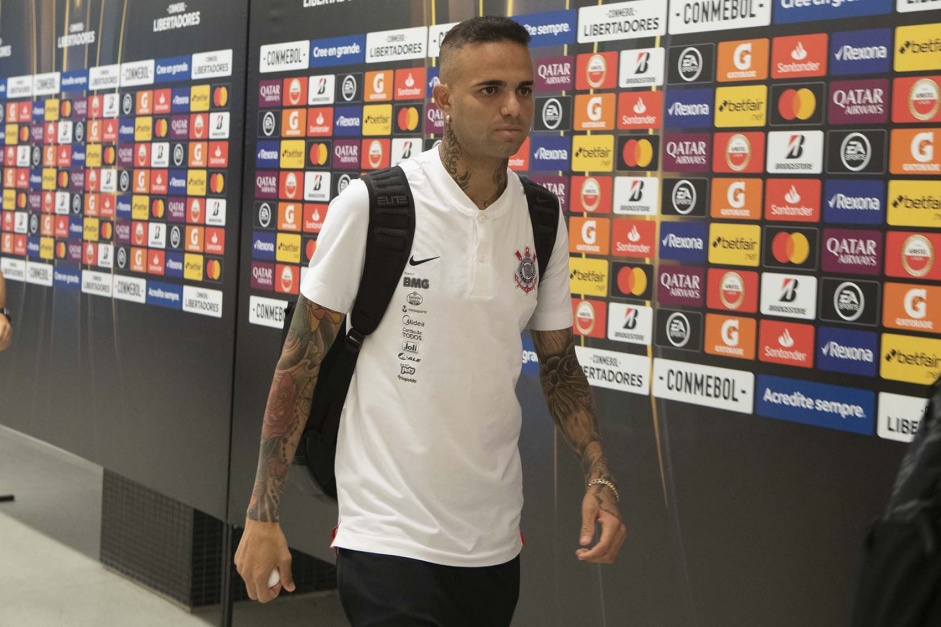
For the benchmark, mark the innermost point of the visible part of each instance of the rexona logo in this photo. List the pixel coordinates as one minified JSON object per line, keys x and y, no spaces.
{"x":912,"y":307}
{"x":695,"y":16}
{"x":859,"y":102}
{"x":688,"y":108}
{"x":591,"y":153}
{"x":917,"y":48}
{"x":738,"y":153}
{"x":800,"y":56}
{"x":681,"y":286}
{"x":816,"y":404}
{"x":589,"y":317}
{"x":916,"y":100}
{"x":852,"y":252}
{"x":791,"y":247}
{"x":861,"y":52}
{"x":732,"y":290}
{"x":731,"y":390}
{"x":589,"y":235}
{"x":638,"y":153}
{"x":914,"y":203}
{"x":730,"y":336}
{"x":789,"y":296}
{"x":910,"y":358}
{"x":914,"y":152}
{"x":741,"y":106}
{"x":691,"y":64}
{"x":912,"y":255}
{"x":640,"y":110}
{"x":554,"y":113}
{"x":687,"y":152}
{"x":850,"y":301}
{"x":553,"y":153}
{"x":900,"y":416}
{"x":588,"y":277}
{"x":744,"y":60}
{"x":856,"y":152}
{"x":801,"y":103}
{"x":685,"y":197}
{"x":786,"y":343}
{"x":631,"y":324}
{"x":643,"y":67}
{"x":683,"y":241}
{"x":795,"y":152}
{"x":736,"y":198}
{"x":632,"y":281}
{"x":636,"y":195}
{"x":793,"y":200}
{"x":633,"y":238}
{"x":854,"y":202}
{"x":596,"y":71}
{"x":681,"y":330}
{"x":734,"y":244}
{"x":591,"y":194}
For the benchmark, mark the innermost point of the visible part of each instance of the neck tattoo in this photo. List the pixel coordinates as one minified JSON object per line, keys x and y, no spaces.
{"x":451,"y":157}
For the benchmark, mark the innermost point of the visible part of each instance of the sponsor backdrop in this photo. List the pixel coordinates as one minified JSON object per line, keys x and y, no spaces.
{"x":749,"y":187}
{"x":121,"y":156}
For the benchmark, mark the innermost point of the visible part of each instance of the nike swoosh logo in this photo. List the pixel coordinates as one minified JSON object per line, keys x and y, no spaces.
{"x":418,"y":262}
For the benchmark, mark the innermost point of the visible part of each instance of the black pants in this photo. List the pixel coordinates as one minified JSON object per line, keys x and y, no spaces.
{"x":388,"y":591}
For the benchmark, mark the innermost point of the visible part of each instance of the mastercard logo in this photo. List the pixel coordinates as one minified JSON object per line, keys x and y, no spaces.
{"x":319,"y":153}
{"x":21,"y":200}
{"x":216,"y":183}
{"x":797,"y":104}
{"x":24,"y":133}
{"x":63,"y":178}
{"x":408,"y":119}
{"x":917,"y":255}
{"x":924,"y":99}
{"x":310,"y":248}
{"x":109,"y":155}
{"x":220,"y":96}
{"x":60,"y":250}
{"x":65,"y":108}
{"x":632,"y":281}
{"x":790,"y":248}
{"x":213,"y":269}
{"x":161,"y":128}
{"x":106,"y":230}
{"x":738,"y":152}
{"x":637,"y":153}
{"x":157,"y":208}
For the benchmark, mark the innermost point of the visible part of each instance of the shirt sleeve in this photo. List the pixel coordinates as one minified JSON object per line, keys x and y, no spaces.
{"x":554,"y":305}
{"x":333,"y":276}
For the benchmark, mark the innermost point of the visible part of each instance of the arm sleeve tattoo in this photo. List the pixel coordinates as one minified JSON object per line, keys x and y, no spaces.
{"x":312,"y":332}
{"x":570,"y":401}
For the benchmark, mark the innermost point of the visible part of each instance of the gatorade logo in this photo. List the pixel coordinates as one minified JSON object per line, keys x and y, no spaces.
{"x":913,"y":152}
{"x":745,"y":60}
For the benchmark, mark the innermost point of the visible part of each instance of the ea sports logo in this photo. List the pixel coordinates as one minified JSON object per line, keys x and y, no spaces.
{"x":924,"y":99}
{"x":122,"y":258}
{"x":591,"y":194}
{"x":690,"y":64}
{"x":552,"y":114}
{"x":684,"y":197}
{"x":264,"y":215}
{"x":268,"y":123}
{"x":343,"y":182}
{"x":856,"y":152}
{"x":348,"y":87}
{"x":596,"y":71}
{"x":178,"y":154}
{"x":742,"y":57}
{"x":79,"y":131}
{"x":917,"y":255}
{"x":849,"y":301}
{"x":127,"y":104}
{"x":678,"y":329}
{"x":732,"y":290}
{"x":738,"y":152}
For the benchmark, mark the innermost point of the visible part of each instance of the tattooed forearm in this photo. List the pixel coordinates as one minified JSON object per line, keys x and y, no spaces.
{"x":312,"y":332}
{"x":570,"y":401}
{"x":451,"y":157}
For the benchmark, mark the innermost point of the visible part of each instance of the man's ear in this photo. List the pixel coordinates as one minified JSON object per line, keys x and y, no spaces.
{"x":442,"y":96}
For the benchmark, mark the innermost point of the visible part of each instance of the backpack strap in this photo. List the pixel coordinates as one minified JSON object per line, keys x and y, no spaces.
{"x":388,"y":244}
{"x":544,"y":214}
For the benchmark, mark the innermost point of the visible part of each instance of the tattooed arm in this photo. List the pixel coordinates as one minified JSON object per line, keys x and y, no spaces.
{"x":263,"y":547}
{"x":573,"y":409}
{"x":6,"y":331}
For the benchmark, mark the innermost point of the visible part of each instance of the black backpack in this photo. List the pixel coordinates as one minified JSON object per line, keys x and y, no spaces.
{"x":388,"y":245}
{"x":900,"y":585}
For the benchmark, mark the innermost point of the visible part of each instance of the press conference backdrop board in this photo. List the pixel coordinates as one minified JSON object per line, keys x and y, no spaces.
{"x":121,"y":156}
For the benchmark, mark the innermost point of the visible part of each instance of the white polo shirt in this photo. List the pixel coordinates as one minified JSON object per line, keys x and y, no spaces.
{"x":428,"y":463}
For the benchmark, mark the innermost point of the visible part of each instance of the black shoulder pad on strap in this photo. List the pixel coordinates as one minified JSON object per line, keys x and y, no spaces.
{"x":544,"y":214}
{"x":388,"y":245}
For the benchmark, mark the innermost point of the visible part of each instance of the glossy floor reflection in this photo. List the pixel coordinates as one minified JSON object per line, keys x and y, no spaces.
{"x":49,"y":546}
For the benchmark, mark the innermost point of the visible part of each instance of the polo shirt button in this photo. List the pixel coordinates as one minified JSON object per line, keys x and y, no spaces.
{"x":481,"y":259}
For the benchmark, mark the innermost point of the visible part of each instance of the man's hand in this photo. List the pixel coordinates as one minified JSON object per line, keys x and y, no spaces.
{"x":262,"y":549}
{"x":6,"y":333}
{"x":599,"y":507}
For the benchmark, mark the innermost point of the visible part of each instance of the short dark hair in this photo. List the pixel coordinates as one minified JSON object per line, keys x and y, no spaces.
{"x":479,"y":30}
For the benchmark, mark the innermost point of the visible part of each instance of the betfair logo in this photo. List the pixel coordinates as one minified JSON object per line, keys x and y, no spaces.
{"x":593,"y":153}
{"x":918,"y":48}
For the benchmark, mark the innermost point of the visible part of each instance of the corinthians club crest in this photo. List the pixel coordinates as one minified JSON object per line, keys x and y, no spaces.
{"x":526,"y":270}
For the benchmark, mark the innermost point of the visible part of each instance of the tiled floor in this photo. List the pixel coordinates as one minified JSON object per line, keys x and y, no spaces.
{"x":50,"y":575}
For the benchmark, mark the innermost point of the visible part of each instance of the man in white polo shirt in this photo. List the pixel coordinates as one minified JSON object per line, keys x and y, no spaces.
{"x":428,"y":468}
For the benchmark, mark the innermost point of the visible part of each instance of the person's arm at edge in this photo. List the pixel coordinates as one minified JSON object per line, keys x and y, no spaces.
{"x":263,"y":546}
{"x":6,"y":330}
{"x":573,"y":409}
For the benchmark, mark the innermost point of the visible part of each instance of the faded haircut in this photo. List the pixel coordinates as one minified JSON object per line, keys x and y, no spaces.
{"x":479,"y":30}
